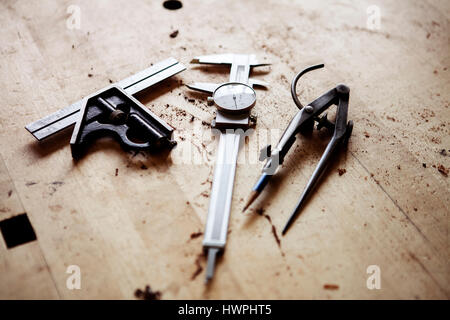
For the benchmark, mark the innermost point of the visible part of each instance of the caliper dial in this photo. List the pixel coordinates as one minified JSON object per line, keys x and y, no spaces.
{"x":234,"y":97}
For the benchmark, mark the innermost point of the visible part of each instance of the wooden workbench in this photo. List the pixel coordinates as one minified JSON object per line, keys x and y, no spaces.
{"x":126,"y":219}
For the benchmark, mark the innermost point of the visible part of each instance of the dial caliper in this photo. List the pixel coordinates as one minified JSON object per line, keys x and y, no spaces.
{"x":233,"y":100}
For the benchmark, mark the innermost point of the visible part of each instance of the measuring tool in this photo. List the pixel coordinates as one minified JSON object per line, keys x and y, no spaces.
{"x":68,"y":116}
{"x":234,"y":100}
{"x":112,"y":112}
{"x":303,"y":121}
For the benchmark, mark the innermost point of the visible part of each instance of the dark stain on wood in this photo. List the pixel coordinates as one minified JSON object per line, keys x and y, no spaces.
{"x":147,"y":294}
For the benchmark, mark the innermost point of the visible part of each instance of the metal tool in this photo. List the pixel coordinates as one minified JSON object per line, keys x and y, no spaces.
{"x":234,"y":100}
{"x":303,"y":121}
{"x":68,"y":116}
{"x":112,"y":112}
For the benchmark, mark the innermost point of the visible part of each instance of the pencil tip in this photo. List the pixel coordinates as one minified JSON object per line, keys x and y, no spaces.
{"x":253,"y":195}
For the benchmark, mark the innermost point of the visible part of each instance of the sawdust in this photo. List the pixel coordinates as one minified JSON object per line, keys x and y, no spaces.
{"x":443,"y":170}
{"x":198,"y":260}
{"x":330,"y":286}
{"x":260,"y":211}
{"x":196,"y":235}
{"x":147,"y":294}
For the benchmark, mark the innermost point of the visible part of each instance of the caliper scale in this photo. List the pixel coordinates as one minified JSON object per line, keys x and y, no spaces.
{"x":233,"y":100}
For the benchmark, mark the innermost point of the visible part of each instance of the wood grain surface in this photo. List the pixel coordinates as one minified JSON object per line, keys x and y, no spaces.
{"x":126,"y":219}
